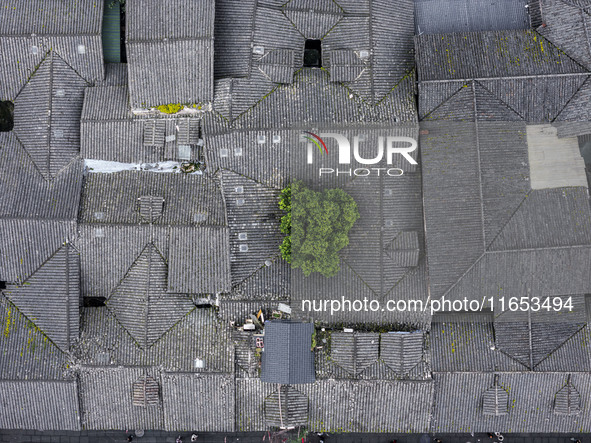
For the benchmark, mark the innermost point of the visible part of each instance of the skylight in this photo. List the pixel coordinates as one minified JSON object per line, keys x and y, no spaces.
{"x":313,"y":54}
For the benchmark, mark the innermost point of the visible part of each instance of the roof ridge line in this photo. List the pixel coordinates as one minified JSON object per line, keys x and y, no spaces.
{"x":539,"y":249}
{"x":498,"y":99}
{"x":70,"y":66}
{"x":570,"y":99}
{"x":560,"y":346}
{"x":527,"y":195}
{"x":391,"y":91}
{"x":447,"y":291}
{"x":27,"y":154}
{"x":53,"y":254}
{"x":465,"y":84}
{"x":360,"y":278}
{"x":511,"y":77}
{"x":34,"y":323}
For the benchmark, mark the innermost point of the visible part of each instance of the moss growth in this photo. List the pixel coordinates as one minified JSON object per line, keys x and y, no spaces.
{"x":171,"y":108}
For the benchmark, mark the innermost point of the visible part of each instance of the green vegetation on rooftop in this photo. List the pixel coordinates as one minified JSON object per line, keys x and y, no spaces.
{"x":317,"y":226}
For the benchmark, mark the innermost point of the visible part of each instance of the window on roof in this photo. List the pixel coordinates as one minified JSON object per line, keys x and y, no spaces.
{"x":94,"y":302}
{"x":6,"y":116}
{"x":313,"y":54}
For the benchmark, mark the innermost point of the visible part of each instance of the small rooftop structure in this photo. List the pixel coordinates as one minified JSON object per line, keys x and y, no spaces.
{"x":287,"y":356}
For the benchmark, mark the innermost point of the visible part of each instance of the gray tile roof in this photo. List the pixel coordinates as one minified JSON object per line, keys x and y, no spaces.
{"x":572,"y":128}
{"x":250,"y":397}
{"x":40,"y":404}
{"x":199,"y":261}
{"x":107,"y":400}
{"x":29,"y":31}
{"x":286,"y":407}
{"x":200,"y":334}
{"x":445,"y":16}
{"x":508,"y":77}
{"x":566,"y":24}
{"x":402,"y":352}
{"x":253,"y":218}
{"x":46,"y":115}
{"x":19,"y":49}
{"x":115,"y":75}
{"x":50,"y":297}
{"x":108,"y":251}
{"x":311,"y":99}
{"x":466,"y":343}
{"x":239,"y":310}
{"x":288,"y":357}
{"x":140,"y":302}
{"x":57,"y":199}
{"x":189,"y":200}
{"x":531,"y":403}
{"x":278,"y":35}
{"x":234,"y":24}
{"x":532,"y":338}
{"x":110,"y":132}
{"x":51,"y":17}
{"x":269,"y":282}
{"x":30,"y":243}
{"x":163,"y":44}
{"x":344,"y":405}
{"x":467,"y":201}
{"x":203,"y":402}
{"x":26,"y":351}
{"x":354,"y":352}
{"x":572,"y":356}
{"x":372,"y":356}
{"x":364,"y":406}
{"x":509,"y":54}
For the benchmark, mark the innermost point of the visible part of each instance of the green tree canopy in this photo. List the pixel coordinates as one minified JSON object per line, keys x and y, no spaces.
{"x":317,"y":225}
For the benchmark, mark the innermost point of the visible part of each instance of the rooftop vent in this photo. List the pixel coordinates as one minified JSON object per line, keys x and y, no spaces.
{"x":243,"y":248}
{"x":6,"y":116}
{"x":276,"y":139}
{"x":258,"y":50}
{"x":313,"y":54}
{"x":239,"y":189}
{"x":99,"y":232}
{"x":154,"y":133}
{"x":34,"y":50}
{"x":238,"y":152}
{"x":81,"y":49}
{"x":146,"y":392}
{"x":243,"y":236}
{"x":568,"y":400}
{"x":495,"y":401}
{"x":223,"y":152}
{"x":199,"y":364}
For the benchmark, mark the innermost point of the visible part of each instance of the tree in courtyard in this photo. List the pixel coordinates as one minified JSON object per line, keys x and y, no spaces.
{"x":317,"y":227}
